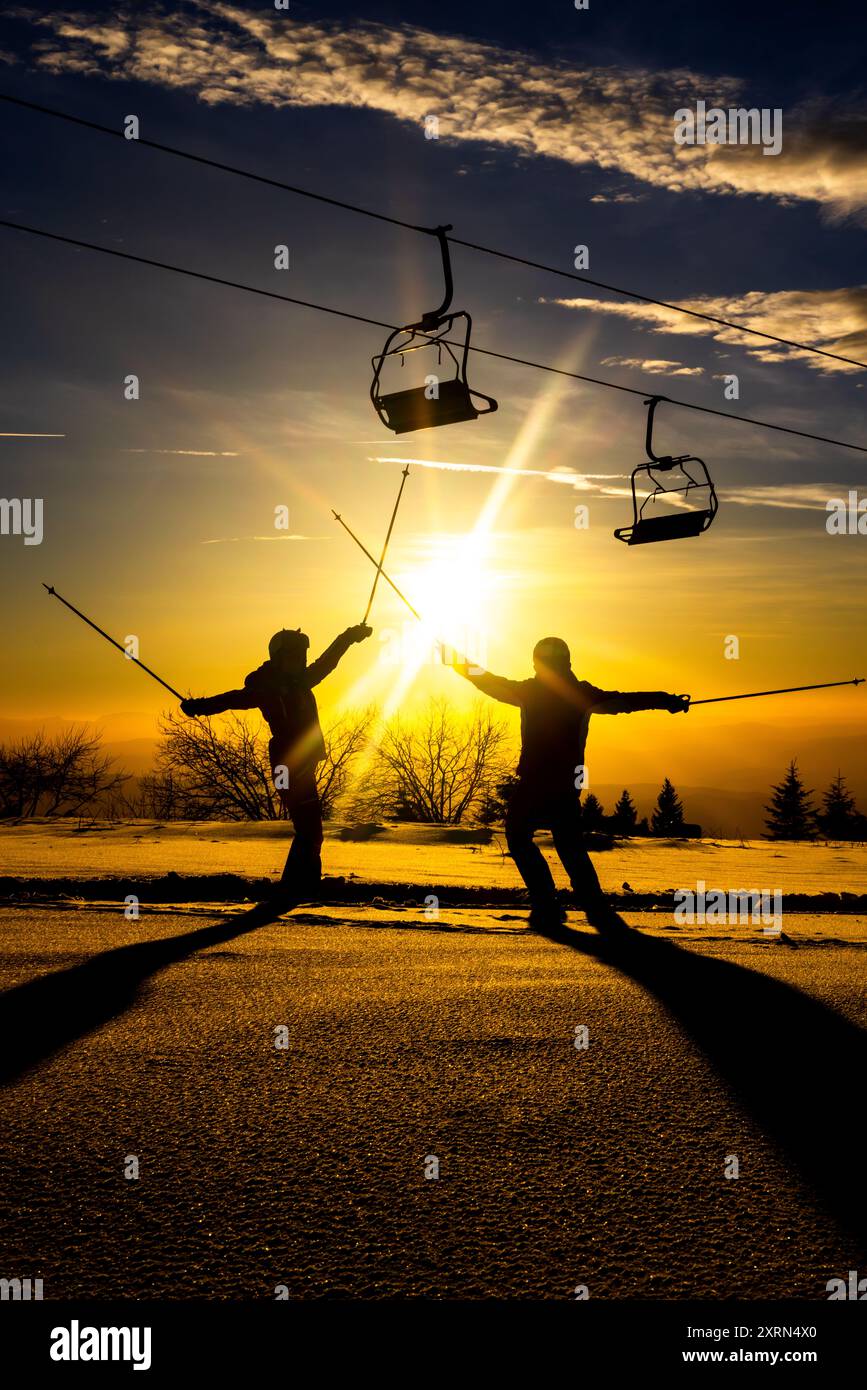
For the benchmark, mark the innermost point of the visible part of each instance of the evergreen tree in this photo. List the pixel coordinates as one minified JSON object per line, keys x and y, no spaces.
{"x":495,"y":802}
{"x":839,"y":818}
{"x":592,"y":813}
{"x":625,"y":816}
{"x":667,"y":818}
{"x":790,"y":813}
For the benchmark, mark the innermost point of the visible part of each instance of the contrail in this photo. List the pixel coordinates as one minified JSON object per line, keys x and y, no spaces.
{"x":796,"y":497}
{"x":583,"y":482}
{"x":193,"y":453}
{"x":230,"y":540}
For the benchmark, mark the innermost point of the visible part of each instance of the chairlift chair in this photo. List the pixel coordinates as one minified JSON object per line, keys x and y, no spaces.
{"x":686,"y":485}
{"x":449,"y":401}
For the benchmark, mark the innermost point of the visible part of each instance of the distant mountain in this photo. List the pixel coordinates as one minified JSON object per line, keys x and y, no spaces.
{"x":120,"y":735}
{"x":722,"y":771}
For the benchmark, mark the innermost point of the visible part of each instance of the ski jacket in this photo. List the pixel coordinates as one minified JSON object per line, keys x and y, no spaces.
{"x":555,"y":718}
{"x":288,"y":706}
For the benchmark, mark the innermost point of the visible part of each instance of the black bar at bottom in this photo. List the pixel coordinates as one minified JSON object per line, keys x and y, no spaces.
{"x":232,"y":1338}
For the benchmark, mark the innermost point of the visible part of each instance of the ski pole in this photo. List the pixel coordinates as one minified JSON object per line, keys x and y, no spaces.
{"x":90,"y":623}
{"x":338,"y":517}
{"x":404,"y":477}
{"x":789,"y":690}
{"x":445,"y":646}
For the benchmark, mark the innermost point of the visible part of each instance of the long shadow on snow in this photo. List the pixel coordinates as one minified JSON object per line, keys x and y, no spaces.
{"x":794,"y":1063}
{"x":43,"y":1015}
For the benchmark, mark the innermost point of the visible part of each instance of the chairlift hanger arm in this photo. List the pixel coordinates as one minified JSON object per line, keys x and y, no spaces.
{"x":665,"y":459}
{"x":433,"y":318}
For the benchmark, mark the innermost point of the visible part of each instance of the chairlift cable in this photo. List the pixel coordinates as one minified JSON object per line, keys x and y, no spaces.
{"x":379,"y":323}
{"x":428,"y":231}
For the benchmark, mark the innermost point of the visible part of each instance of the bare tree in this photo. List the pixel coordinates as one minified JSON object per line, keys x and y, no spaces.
{"x":164,"y":796}
{"x":60,"y":776}
{"x":440,"y":768}
{"x":209,"y":770}
{"x":220,"y":770}
{"x":345,"y":738}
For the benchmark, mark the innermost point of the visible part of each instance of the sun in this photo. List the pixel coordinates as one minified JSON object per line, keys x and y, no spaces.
{"x":452,"y":590}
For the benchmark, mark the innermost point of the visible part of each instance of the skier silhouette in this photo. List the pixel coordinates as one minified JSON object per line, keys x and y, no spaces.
{"x":555,"y":714}
{"x":282,"y":690}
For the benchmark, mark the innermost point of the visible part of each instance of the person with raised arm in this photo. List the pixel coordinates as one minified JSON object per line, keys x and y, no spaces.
{"x":282,"y":690}
{"x":555,"y":715}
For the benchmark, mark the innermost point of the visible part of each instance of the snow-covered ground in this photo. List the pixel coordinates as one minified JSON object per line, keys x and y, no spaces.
{"x":407,"y":1040}
{"x":418,"y":854}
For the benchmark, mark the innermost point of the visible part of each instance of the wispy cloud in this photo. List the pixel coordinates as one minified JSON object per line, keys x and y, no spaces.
{"x":787,"y":497}
{"x":811,"y":497}
{"x":832,"y":319}
{"x":618,"y":197}
{"x":222,"y":53}
{"x":656,"y":366}
{"x":582,"y":482}
{"x":232,"y":540}
{"x":191,"y":453}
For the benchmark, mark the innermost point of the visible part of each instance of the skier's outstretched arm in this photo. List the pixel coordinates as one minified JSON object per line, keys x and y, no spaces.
{"x":218,"y":704}
{"x":498,"y":687}
{"x":325,"y":664}
{"x":631,"y":702}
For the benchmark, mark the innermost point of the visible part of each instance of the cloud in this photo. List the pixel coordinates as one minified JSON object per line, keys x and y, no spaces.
{"x":812,"y":497}
{"x":232,"y":540}
{"x":582,"y":482}
{"x":657,"y":366}
{"x":832,"y":319}
{"x":191,"y":453}
{"x":618,"y":198}
{"x":788,"y":497}
{"x":615,"y":118}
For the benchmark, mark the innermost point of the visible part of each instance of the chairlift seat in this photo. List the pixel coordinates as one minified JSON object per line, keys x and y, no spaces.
{"x":675,"y":526}
{"x":454,"y":400}
{"x":414,"y":409}
{"x":684,"y":487}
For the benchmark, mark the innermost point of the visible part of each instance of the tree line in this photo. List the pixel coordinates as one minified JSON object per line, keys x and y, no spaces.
{"x":791,"y":813}
{"x":439,"y":768}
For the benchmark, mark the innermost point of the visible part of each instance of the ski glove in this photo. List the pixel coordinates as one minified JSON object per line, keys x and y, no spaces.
{"x":677,"y":704}
{"x":191,"y":706}
{"x":359,"y":632}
